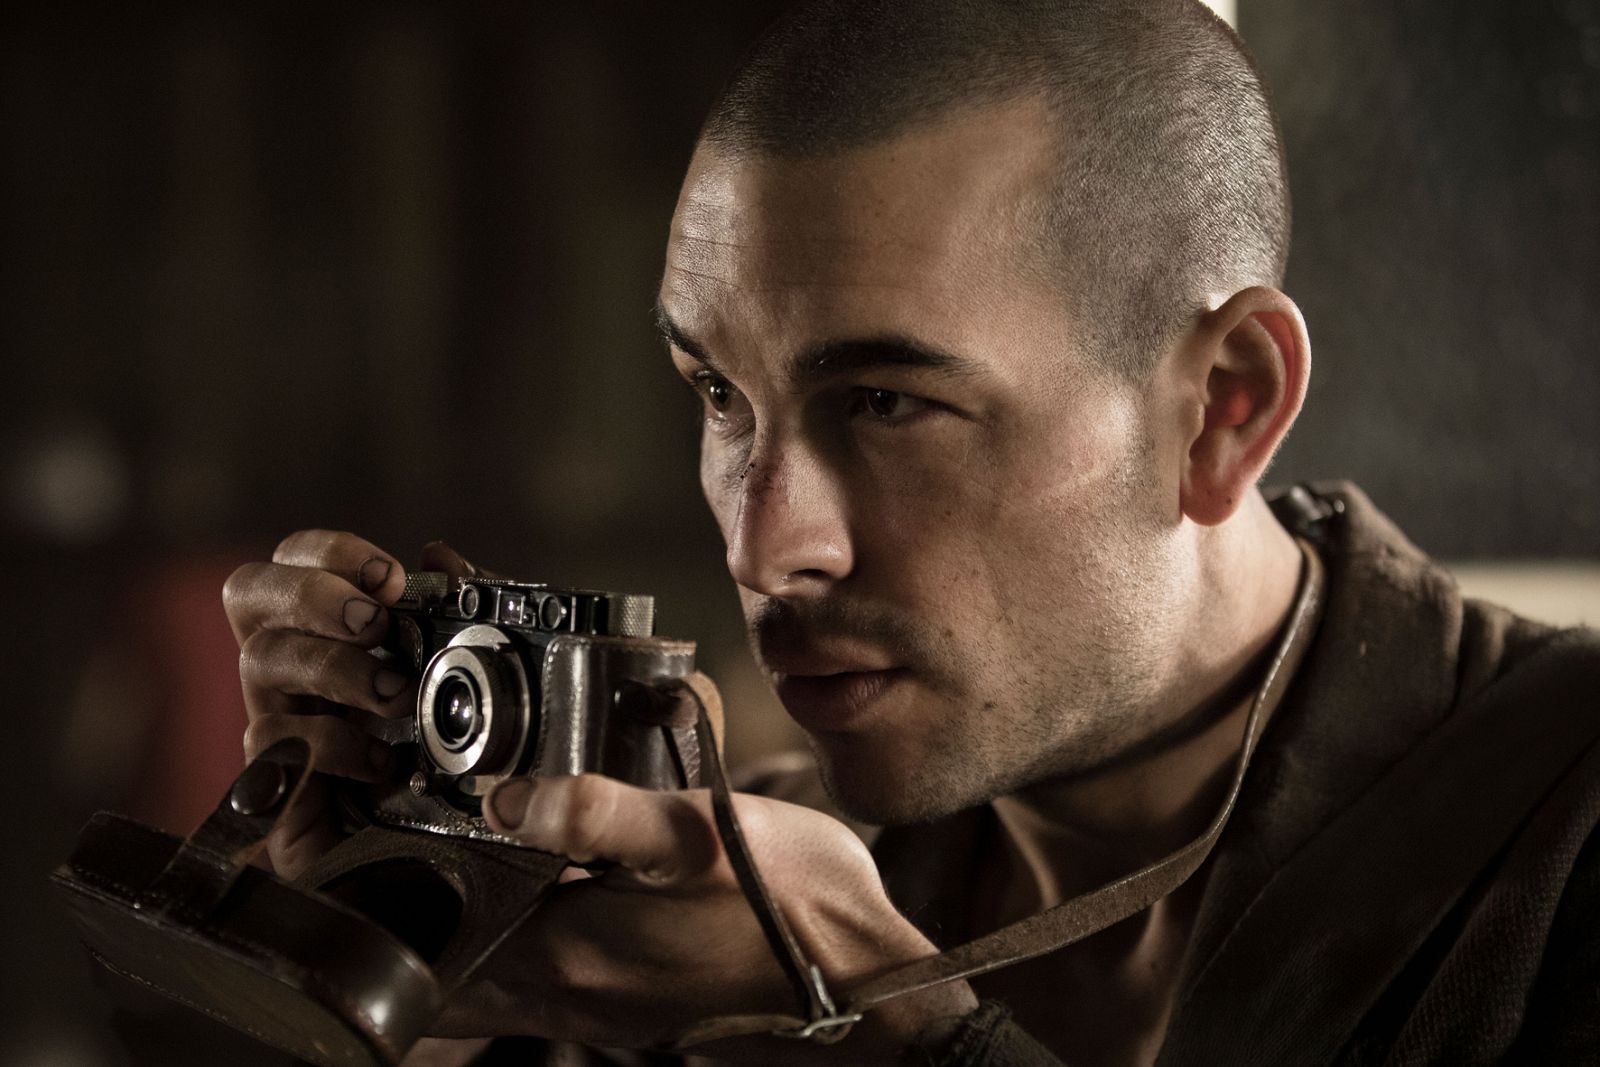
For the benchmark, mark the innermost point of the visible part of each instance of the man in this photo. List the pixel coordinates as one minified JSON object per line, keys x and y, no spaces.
{"x":982,"y":305}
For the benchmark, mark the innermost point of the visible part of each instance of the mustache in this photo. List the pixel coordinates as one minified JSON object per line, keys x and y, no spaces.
{"x":780,"y":627}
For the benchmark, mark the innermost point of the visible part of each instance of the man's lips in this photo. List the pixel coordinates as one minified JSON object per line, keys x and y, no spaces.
{"x":833,"y":701}
{"x":830,"y":663}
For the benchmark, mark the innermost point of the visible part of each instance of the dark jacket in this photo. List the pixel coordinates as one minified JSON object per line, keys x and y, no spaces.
{"x":1412,"y":875}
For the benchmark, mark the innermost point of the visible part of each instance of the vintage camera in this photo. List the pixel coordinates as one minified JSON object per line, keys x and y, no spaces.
{"x":350,"y":962}
{"x":518,"y":678}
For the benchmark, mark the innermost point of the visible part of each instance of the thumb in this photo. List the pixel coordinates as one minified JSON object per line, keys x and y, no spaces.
{"x":660,"y":838}
{"x":438,"y":556}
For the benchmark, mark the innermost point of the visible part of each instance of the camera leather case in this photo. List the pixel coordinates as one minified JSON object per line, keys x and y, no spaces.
{"x":335,"y":969}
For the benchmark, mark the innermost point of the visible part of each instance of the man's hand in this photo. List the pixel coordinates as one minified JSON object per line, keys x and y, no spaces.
{"x":305,"y":623}
{"x":664,"y":939}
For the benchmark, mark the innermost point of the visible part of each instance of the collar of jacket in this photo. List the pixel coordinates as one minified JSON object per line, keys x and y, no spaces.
{"x":1420,"y":733}
{"x":1380,"y":675}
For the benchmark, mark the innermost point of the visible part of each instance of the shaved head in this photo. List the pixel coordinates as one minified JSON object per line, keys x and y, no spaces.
{"x":1165,"y":186}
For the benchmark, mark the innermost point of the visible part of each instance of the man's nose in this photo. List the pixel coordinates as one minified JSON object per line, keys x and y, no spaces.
{"x":789,"y":535}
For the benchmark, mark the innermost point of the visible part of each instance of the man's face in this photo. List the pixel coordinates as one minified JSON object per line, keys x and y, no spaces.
{"x":949,"y":530}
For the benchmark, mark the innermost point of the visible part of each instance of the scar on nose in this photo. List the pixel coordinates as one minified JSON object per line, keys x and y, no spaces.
{"x":758,"y":479}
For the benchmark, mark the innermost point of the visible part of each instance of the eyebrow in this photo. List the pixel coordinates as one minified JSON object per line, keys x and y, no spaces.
{"x":676,"y":338}
{"x":833,"y":358}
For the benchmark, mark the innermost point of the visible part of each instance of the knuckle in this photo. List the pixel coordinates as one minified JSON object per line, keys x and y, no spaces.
{"x":324,"y":661}
{"x":316,"y":548}
{"x":255,"y":655}
{"x":753,"y":818}
{"x":258,"y":736}
{"x":303,"y":590}
{"x":236,"y":589}
{"x":308,"y":603}
{"x":293,"y":546}
{"x":591,"y":803}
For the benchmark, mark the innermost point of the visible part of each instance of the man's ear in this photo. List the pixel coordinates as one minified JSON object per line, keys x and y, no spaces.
{"x":1249,"y":361}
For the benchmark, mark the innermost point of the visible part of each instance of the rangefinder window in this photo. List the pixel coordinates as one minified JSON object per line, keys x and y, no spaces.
{"x":531,"y":606}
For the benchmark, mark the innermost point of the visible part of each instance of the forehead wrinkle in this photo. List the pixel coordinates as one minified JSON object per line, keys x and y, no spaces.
{"x":794,"y":285}
{"x":959,"y":249}
{"x":720,"y":218}
{"x":714,"y":279}
{"x":682,"y":236}
{"x":953,"y":266}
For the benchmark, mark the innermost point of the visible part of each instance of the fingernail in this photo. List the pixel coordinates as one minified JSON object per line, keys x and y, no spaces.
{"x":358,"y":614}
{"x":379,"y":757}
{"x":388,"y":683}
{"x":510,"y":802}
{"x":373,"y":573}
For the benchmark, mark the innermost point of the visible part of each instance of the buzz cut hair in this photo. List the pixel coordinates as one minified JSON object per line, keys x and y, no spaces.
{"x":1168,"y":183}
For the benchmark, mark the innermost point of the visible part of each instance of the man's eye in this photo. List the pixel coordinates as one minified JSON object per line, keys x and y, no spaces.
{"x":718,"y":391}
{"x":888,"y":404}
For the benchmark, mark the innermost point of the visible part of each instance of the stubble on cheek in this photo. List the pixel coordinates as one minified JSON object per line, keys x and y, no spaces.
{"x":997,"y":644}
{"x":1064,"y":667}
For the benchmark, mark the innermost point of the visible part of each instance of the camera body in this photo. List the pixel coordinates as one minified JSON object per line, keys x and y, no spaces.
{"x":517,"y":678}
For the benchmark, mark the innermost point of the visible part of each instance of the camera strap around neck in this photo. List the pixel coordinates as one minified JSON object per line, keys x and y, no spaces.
{"x":825,"y":1019}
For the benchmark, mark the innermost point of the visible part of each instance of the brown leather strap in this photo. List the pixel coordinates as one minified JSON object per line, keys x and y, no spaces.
{"x":208,"y":863}
{"x":1036,"y":935}
{"x":821,"y":1022}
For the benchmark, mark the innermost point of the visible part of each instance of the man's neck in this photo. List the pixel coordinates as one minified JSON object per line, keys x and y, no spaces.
{"x":1064,"y":838}
{"x":1076,"y":834}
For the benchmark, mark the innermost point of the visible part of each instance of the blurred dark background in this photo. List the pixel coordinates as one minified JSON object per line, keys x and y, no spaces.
{"x":388,"y":268}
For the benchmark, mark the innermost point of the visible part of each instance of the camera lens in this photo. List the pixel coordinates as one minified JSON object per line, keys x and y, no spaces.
{"x":456,"y":715}
{"x":476,"y":715}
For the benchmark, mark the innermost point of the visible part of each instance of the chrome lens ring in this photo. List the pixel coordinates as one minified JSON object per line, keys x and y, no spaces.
{"x":486,"y":686}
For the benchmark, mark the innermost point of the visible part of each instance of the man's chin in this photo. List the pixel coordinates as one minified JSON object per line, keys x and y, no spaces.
{"x":879,"y":792}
